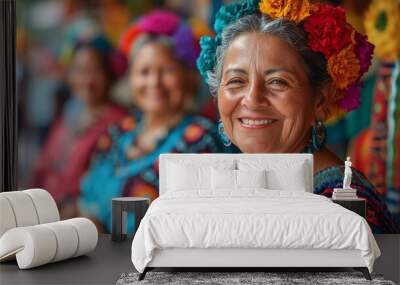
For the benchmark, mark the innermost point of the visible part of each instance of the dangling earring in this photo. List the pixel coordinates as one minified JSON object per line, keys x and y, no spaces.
{"x":225,"y":140}
{"x":318,"y":136}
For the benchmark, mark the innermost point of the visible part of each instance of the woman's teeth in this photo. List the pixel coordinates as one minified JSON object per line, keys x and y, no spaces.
{"x":250,"y":122}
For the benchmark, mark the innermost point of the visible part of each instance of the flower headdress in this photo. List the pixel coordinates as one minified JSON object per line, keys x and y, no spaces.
{"x":347,"y":52}
{"x":163,"y":23}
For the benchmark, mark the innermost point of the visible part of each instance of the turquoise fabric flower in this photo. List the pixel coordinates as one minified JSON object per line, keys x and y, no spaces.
{"x":225,"y":16}
{"x":206,"y":60}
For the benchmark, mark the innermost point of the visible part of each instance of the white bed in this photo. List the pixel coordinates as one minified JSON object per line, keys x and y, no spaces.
{"x":201,"y":226}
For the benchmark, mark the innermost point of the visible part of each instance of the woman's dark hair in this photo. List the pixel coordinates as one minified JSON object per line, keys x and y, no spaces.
{"x":113,"y":62}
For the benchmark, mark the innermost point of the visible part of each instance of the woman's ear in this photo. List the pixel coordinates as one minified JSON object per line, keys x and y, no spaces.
{"x":323,"y":101}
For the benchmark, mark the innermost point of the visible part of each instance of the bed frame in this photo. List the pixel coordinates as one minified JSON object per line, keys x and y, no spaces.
{"x":248,"y":259}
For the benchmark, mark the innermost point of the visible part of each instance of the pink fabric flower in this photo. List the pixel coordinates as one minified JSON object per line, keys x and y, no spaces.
{"x":364,"y":51}
{"x":352,"y":100}
{"x":160,"y":22}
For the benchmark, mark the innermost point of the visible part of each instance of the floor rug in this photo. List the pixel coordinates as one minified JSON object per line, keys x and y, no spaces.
{"x":273,"y":278}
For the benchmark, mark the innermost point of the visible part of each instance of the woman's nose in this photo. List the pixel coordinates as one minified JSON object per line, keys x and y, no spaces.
{"x":256,"y":97}
{"x":155,"y":79}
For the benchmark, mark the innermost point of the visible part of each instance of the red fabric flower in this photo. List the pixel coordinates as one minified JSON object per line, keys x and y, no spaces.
{"x":128,"y":38}
{"x":327,"y":29}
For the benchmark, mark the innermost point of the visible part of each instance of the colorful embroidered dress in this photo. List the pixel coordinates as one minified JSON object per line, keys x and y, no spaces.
{"x":113,"y":174}
{"x":378,"y":216}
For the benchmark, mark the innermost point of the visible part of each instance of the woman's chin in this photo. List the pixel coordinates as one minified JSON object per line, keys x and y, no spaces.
{"x":257,"y":148}
{"x":156,"y":109}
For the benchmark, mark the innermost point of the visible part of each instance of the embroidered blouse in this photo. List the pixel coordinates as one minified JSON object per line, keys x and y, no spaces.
{"x":113,"y":174}
{"x":378,"y":216}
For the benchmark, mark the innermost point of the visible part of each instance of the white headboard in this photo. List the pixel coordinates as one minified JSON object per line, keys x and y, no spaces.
{"x":212,"y":158}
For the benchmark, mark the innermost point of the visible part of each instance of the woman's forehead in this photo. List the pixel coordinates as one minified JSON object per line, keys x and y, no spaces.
{"x":263,"y":52}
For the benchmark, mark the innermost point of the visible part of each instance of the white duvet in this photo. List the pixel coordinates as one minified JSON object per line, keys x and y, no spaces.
{"x":254,"y":218}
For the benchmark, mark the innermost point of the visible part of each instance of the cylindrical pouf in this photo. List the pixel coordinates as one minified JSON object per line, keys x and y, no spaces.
{"x":34,"y":245}
{"x":87,"y":235}
{"x":67,"y":239}
{"x":7,"y":218}
{"x":40,"y":244}
{"x":45,"y":205}
{"x":23,"y":208}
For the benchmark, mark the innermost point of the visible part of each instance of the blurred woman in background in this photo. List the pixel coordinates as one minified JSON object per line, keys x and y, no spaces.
{"x":162,"y":53}
{"x":87,"y":115}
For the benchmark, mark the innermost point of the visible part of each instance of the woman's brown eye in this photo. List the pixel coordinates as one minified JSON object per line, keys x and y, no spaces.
{"x":234,"y":81}
{"x":279,"y":82}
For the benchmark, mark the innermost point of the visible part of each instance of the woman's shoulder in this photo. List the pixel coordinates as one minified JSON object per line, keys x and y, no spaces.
{"x":116,"y":112}
{"x":324,"y":159}
{"x":197,"y":127}
{"x":332,"y":176}
{"x":203,"y":122}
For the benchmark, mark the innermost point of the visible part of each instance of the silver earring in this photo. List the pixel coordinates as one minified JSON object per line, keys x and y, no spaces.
{"x":318,"y":135}
{"x":225,"y":140}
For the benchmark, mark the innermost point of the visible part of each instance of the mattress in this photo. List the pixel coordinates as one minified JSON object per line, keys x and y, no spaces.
{"x":251,"y":219}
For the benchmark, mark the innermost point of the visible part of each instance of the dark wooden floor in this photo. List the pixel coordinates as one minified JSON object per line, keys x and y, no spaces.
{"x":110,"y":260}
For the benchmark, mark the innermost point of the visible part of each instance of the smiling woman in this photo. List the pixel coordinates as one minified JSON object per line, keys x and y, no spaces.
{"x":273,"y":90}
{"x":279,"y":72}
{"x":73,"y":137}
{"x":162,"y":53}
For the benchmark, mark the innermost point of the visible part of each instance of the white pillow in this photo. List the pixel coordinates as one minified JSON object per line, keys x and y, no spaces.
{"x":184,"y":175}
{"x":251,"y":178}
{"x":289,"y":180}
{"x":290,"y":176}
{"x":223,"y":179}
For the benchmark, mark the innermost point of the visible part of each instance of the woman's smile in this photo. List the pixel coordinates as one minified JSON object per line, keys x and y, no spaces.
{"x":256,"y":123}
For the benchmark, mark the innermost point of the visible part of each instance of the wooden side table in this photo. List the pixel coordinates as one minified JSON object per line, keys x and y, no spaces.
{"x":120,"y":207}
{"x":357,"y":205}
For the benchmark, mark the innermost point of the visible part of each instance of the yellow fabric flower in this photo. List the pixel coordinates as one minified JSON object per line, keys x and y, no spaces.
{"x":199,"y":27}
{"x":292,"y":10}
{"x":344,"y":67}
{"x":382,"y":22}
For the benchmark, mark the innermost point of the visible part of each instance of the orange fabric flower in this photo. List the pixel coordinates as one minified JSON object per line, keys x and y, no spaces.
{"x":128,"y":124}
{"x":193,"y":133}
{"x":292,"y":10}
{"x":142,"y":189}
{"x":104,"y":143}
{"x":344,"y":67}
